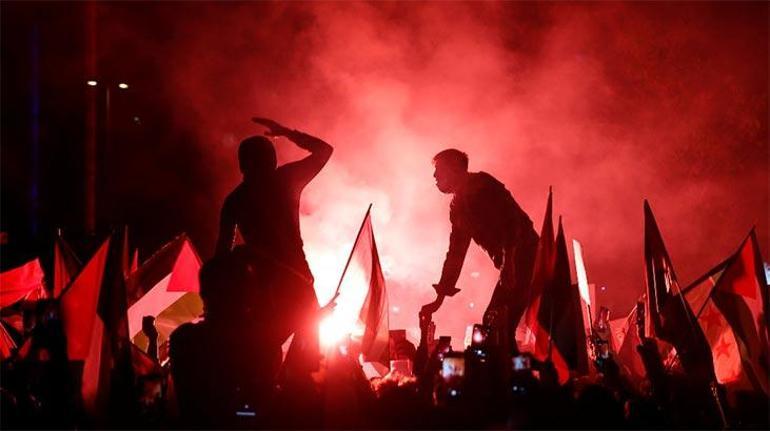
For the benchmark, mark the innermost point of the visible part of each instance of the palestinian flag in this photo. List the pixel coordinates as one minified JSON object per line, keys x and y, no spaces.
{"x":165,"y":287}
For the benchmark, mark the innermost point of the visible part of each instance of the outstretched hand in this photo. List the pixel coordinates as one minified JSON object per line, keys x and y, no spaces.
{"x":445,"y":291}
{"x":274,"y":128}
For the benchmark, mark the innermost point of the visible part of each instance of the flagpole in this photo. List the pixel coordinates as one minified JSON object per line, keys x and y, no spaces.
{"x":350,"y":256}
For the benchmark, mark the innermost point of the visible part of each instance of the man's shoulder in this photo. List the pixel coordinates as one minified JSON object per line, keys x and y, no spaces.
{"x":234,"y":195}
{"x":484,"y":179}
{"x":484,"y":185}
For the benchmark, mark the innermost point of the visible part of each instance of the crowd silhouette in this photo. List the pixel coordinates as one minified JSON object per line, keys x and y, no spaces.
{"x":228,"y":370}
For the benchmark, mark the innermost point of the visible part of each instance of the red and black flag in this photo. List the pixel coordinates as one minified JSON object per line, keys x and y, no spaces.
{"x":670,"y":316}
{"x":719,"y":334}
{"x":741,"y":297}
{"x":561,"y":317}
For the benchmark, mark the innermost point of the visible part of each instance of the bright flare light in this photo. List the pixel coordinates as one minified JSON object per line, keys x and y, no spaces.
{"x":343,"y":320}
{"x":331,"y":330}
{"x":123,"y":86}
{"x":91,"y":83}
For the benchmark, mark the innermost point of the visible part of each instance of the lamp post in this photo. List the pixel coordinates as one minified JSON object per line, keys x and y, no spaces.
{"x":91,"y":145}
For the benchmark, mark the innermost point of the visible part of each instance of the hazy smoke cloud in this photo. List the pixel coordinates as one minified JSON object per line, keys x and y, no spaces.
{"x":609,"y":103}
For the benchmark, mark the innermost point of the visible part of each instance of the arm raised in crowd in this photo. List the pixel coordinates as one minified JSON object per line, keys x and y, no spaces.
{"x":306,"y":169}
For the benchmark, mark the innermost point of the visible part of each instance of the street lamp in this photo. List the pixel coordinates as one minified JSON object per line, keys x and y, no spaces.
{"x":91,"y":144}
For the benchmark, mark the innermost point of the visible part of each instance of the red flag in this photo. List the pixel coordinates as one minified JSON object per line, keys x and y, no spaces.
{"x":184,"y":276}
{"x":135,"y":261}
{"x":374,"y":312}
{"x":628,"y":359}
{"x":78,"y":304}
{"x":542,"y":275}
{"x":7,"y":342}
{"x":176,"y":256}
{"x":108,"y":374}
{"x":361,"y":299}
{"x":24,"y":282}
{"x":741,"y":296}
{"x":724,"y":349}
{"x":65,"y":266}
{"x":670,"y":316}
{"x":143,"y":364}
{"x":94,"y":317}
{"x":560,"y":316}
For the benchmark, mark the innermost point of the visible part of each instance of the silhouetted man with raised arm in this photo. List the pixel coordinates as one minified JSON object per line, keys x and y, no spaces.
{"x":265,"y":209}
{"x":484,"y":211}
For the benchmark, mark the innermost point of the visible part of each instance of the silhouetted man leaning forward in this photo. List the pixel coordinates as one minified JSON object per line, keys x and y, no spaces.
{"x":265,"y":209}
{"x":484,"y":211}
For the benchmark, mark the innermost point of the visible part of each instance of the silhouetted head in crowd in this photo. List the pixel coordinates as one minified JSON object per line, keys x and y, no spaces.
{"x":451,"y":170}
{"x":256,"y":157}
{"x":228,"y":284}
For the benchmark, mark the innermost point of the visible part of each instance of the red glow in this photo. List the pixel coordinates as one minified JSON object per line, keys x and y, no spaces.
{"x":598,"y":100}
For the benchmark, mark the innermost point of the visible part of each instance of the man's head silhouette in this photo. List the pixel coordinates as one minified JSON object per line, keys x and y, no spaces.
{"x":451,"y":169}
{"x":227,"y":284}
{"x":256,"y":156}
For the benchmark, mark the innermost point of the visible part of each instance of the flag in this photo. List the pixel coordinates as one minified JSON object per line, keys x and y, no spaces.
{"x":560,"y":315}
{"x":587,"y":291}
{"x":363,"y":299}
{"x":166,"y":287}
{"x":23,"y":282}
{"x":724,"y":349}
{"x":94,"y":315}
{"x":580,"y":270}
{"x":143,"y":364}
{"x":65,"y":265}
{"x":78,"y":304}
{"x":669,"y":314}
{"x":374,"y":313}
{"x":628,"y":358}
{"x":741,"y":297}
{"x":8,"y":343}
{"x":108,"y":374}
{"x":135,"y":261}
{"x":542,"y":274}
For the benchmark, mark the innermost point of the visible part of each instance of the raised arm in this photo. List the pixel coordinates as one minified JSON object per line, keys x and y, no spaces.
{"x":305,"y":169}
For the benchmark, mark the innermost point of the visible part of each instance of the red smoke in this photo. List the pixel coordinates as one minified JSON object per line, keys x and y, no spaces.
{"x":609,"y":103}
